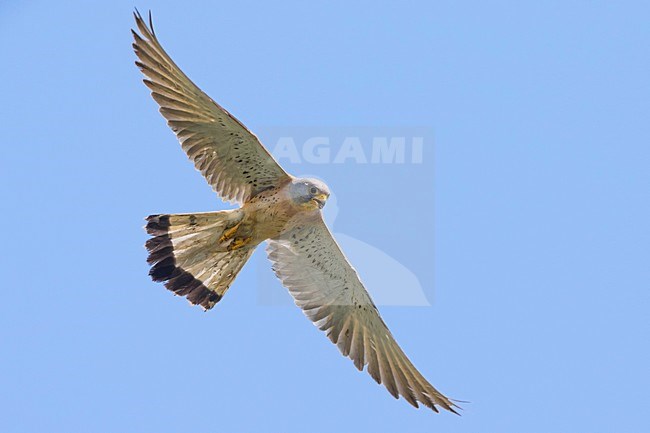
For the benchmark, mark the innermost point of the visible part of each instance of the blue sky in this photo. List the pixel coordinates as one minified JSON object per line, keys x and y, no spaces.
{"x":526,"y":224}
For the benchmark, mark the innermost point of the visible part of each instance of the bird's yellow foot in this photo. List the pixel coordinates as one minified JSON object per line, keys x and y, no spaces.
{"x":229,"y":233}
{"x":237,"y":243}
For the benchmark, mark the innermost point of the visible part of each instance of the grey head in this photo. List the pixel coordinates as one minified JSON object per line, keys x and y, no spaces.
{"x":309,"y":193}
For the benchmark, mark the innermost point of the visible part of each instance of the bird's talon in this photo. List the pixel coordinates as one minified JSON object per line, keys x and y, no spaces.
{"x":229,"y":233}
{"x":237,"y":243}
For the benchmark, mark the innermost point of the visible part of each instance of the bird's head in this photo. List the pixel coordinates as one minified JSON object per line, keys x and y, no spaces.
{"x":309,"y":193}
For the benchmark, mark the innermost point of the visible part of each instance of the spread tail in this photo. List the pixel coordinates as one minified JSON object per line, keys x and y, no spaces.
{"x":187,"y":254}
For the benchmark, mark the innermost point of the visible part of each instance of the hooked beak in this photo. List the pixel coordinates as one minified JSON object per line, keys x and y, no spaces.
{"x":320,"y":199}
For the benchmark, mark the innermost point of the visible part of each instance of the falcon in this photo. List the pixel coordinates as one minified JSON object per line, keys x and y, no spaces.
{"x":198,"y":255}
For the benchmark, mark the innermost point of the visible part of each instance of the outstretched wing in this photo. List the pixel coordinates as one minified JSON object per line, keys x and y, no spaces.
{"x":311,"y":265}
{"x":229,"y":156}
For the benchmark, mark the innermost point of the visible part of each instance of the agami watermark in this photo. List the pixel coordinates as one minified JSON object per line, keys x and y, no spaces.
{"x":409,"y":153}
{"x":356,"y":149}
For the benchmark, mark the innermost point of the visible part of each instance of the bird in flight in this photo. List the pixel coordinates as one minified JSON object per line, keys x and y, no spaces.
{"x":198,"y":255}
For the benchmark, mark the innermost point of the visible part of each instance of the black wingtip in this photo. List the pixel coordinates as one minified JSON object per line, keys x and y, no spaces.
{"x":153,"y":32}
{"x":138,"y":19}
{"x":454,"y":406}
{"x":137,"y":15}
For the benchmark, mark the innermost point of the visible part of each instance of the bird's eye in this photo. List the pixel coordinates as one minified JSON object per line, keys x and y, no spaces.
{"x":313,"y":190}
